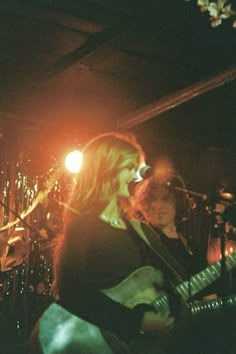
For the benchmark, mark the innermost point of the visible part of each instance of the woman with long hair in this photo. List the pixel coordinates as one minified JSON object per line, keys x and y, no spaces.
{"x":100,"y":250}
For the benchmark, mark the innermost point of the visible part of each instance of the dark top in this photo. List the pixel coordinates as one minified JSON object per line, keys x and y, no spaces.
{"x":191,"y":258}
{"x":97,"y":256}
{"x":193,"y":261}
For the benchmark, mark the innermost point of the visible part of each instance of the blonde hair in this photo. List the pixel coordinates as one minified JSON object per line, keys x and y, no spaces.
{"x":97,"y":182}
{"x":103,"y":158}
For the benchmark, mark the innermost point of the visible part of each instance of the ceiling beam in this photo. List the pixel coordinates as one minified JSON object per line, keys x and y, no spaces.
{"x":174,"y":100}
{"x":92,"y":44}
{"x":57,"y":18}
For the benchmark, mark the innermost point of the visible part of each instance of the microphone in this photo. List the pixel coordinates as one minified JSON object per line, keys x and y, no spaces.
{"x":175,"y":182}
{"x":144,"y":172}
{"x":147,"y":171}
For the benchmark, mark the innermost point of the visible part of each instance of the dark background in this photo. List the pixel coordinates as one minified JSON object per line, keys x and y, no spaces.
{"x":71,"y":69}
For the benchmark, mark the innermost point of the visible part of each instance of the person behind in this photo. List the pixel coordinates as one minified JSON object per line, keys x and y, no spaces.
{"x":100,"y":249}
{"x":166,"y":210}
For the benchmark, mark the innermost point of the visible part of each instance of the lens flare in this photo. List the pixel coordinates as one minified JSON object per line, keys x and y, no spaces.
{"x":73,"y":161}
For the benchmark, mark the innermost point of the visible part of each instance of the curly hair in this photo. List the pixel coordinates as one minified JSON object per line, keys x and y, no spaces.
{"x":148,"y":190}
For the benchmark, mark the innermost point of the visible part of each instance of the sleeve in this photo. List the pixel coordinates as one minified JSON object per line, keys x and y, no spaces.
{"x":79,"y":287}
{"x":200,"y":259}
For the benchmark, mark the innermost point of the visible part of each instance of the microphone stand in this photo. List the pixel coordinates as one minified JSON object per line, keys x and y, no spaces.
{"x":224,"y":278}
{"x":191,"y":204}
{"x":188,"y":191}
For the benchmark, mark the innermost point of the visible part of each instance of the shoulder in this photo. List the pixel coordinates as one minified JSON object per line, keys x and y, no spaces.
{"x":81,"y":222}
{"x":194,"y":245}
{"x":141,"y":228}
{"x":136,"y":224}
{"x":85,"y":226}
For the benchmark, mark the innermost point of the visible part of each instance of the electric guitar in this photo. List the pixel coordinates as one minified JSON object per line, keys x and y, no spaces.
{"x":62,"y":332}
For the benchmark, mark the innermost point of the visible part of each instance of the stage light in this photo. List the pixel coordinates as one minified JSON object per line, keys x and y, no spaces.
{"x":73,"y":161}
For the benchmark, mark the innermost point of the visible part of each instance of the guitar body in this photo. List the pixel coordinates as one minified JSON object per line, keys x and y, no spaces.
{"x":62,"y":332}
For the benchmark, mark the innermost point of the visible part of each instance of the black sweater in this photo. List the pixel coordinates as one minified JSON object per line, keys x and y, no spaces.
{"x":97,"y":256}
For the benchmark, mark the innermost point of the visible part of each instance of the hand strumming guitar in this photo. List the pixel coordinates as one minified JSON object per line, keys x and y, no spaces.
{"x":157,"y":322}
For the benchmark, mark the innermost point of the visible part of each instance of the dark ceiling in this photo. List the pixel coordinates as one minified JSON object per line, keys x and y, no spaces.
{"x":73,"y":68}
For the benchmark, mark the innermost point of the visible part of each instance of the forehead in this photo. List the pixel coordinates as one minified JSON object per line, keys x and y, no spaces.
{"x":163,"y":193}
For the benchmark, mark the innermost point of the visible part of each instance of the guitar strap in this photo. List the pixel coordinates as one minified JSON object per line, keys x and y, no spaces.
{"x":153,"y":241}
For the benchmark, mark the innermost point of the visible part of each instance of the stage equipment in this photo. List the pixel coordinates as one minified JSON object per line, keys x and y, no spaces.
{"x":223,"y":214}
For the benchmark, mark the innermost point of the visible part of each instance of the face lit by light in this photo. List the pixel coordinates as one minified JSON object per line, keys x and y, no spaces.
{"x":127,"y":174}
{"x":162,"y":211}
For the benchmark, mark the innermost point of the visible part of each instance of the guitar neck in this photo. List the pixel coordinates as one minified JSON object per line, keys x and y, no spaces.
{"x":196,"y":283}
{"x":204,"y":278}
{"x":212,"y":305}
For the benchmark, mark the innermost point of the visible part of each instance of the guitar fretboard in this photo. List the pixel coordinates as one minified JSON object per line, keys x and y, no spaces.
{"x":207,"y":276}
{"x":212,"y":305}
{"x":196,"y":283}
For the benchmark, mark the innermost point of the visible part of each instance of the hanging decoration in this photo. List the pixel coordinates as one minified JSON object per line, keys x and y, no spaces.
{"x":41,"y":195}
{"x":219,"y":10}
{"x":27,"y":274}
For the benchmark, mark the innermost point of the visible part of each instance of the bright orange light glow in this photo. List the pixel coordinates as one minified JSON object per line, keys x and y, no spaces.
{"x":163,"y":169}
{"x":73,"y":161}
{"x":214,"y":249}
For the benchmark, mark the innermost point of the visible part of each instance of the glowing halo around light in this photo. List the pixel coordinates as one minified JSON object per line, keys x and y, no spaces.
{"x":73,"y":161}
